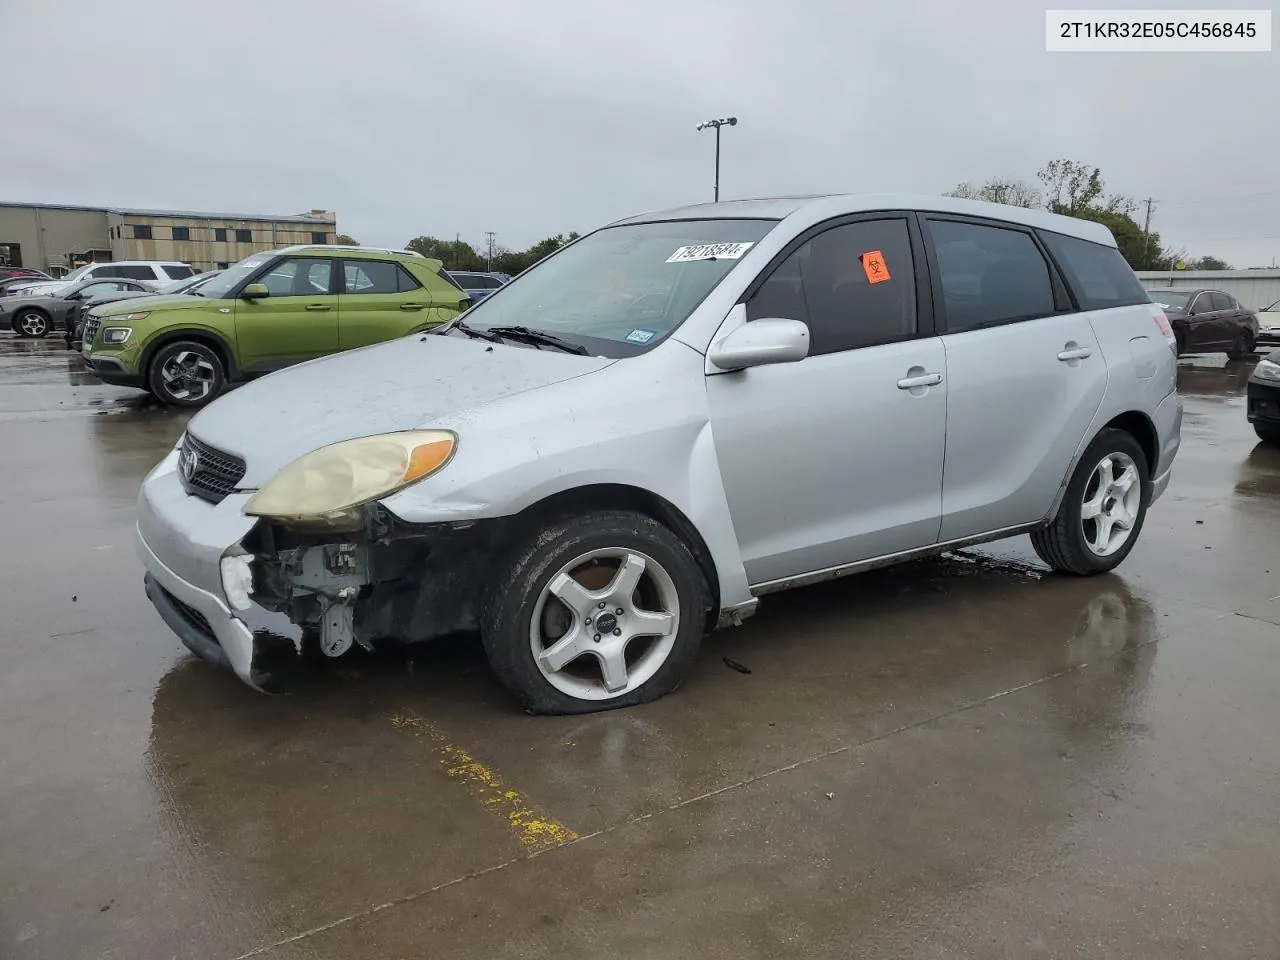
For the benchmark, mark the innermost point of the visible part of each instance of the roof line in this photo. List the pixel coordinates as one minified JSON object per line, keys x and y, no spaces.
{"x":177,"y":214}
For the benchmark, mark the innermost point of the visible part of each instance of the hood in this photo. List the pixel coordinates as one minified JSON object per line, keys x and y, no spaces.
{"x":412,"y":382}
{"x":152,"y":301}
{"x":118,"y":295}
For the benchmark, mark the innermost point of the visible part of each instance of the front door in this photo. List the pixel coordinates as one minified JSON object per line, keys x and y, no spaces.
{"x":1025,"y":373}
{"x":297,"y":321}
{"x":379,"y":300}
{"x":837,"y":458}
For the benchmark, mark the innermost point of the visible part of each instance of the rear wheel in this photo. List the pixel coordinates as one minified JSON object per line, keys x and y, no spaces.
{"x":31,"y":323}
{"x":1243,"y":345}
{"x":1103,"y":510}
{"x":594,"y":612}
{"x":1268,"y":432}
{"x":186,"y":374}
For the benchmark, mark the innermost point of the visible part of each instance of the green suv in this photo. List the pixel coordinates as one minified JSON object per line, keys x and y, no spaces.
{"x":266,"y":312}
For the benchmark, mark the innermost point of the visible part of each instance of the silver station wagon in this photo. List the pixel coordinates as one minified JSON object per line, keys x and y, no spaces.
{"x":634,"y":441}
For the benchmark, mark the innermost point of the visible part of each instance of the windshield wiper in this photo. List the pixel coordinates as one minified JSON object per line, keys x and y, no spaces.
{"x":539,"y":338}
{"x":473,"y":332}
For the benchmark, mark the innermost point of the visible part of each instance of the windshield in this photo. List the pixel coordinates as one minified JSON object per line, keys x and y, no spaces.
{"x":78,"y":272}
{"x":228,"y":279}
{"x":622,"y":290}
{"x":1169,"y":300}
{"x":1272,"y":308}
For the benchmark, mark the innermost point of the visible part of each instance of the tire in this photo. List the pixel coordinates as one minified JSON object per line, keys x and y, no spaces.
{"x":32,"y":324}
{"x":519,"y":611}
{"x":1065,"y":544}
{"x":186,"y":373}
{"x":1242,"y":347}
{"x":1268,"y":432}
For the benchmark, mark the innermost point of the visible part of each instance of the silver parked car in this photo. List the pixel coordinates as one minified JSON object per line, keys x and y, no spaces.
{"x":662,"y":422}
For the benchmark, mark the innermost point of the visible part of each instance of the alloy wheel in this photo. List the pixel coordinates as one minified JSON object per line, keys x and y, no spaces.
{"x":1112,"y":500}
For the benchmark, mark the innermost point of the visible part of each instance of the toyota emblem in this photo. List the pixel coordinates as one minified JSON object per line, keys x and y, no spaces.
{"x":188,"y":463}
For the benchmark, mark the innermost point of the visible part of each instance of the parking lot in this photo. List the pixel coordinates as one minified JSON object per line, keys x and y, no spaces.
{"x":959,"y":757}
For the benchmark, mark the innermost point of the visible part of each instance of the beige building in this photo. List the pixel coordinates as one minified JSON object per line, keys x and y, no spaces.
{"x":58,"y":238}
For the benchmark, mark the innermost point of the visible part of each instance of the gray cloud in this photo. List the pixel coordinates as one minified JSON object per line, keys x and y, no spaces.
{"x":529,"y":119}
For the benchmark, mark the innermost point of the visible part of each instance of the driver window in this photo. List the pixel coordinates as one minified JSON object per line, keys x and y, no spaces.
{"x":852,"y":285}
{"x":298,"y":277}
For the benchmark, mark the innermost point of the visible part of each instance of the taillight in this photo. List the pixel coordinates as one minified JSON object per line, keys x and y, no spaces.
{"x":1165,"y":326}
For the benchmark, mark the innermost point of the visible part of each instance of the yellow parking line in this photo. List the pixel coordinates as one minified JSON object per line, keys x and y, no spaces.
{"x":534,"y":829}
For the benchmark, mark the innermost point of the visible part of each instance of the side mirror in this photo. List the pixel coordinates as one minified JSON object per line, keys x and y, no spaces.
{"x":761,"y":342}
{"x":255,"y":291}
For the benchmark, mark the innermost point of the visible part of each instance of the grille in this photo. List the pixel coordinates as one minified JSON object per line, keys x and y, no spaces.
{"x":91,"y":326}
{"x":190,"y":614}
{"x":207,"y":472}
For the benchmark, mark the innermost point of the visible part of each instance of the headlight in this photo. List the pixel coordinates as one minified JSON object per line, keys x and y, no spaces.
{"x":1267,"y":370}
{"x":116,"y":334}
{"x":327,"y":483}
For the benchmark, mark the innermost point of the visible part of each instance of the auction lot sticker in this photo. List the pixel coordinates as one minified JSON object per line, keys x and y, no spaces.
{"x":710,"y":251}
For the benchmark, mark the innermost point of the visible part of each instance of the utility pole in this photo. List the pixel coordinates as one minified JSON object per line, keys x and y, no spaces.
{"x":1146,"y":235}
{"x":716,"y":125}
{"x":457,"y":251}
{"x":488,"y":265}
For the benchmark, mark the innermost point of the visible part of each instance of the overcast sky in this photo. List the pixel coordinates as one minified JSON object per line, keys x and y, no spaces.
{"x":413,"y":117}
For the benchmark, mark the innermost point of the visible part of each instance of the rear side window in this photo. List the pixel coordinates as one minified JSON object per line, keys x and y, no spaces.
{"x":370,"y":276}
{"x":989,"y":275}
{"x":178,"y":271}
{"x":1221,"y":301}
{"x":134,"y":271}
{"x":1097,"y":273}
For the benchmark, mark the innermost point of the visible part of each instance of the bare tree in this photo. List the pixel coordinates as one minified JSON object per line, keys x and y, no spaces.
{"x":1006,"y":190}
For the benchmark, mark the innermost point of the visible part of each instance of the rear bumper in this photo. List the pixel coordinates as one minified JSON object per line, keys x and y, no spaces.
{"x":1168,"y":424}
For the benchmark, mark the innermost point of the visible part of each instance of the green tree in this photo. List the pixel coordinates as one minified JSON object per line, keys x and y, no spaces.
{"x":454,"y":254}
{"x":1209,"y":263}
{"x":1071,"y":187}
{"x":346,"y":240}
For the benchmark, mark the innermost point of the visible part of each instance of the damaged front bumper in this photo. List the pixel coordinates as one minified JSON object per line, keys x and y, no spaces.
{"x":234,"y":588}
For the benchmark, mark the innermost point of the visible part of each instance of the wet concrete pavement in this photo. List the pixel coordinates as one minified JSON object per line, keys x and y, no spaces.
{"x":963,"y":757}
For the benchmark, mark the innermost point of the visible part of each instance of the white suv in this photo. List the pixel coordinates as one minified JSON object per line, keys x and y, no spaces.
{"x":161,"y":271}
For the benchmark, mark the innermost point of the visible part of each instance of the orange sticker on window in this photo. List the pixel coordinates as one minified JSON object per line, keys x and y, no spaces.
{"x":873,"y":266}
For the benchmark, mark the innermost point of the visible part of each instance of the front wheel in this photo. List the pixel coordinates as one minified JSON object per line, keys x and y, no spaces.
{"x":1103,"y":510}
{"x":1268,"y":432}
{"x":1242,"y":347}
{"x":186,"y":374}
{"x":594,"y":612}
{"x":31,"y":323}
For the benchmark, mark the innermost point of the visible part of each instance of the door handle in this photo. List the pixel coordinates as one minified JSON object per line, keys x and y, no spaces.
{"x":318,"y":306}
{"x":1075,"y":353}
{"x":924,"y":380}
{"x":412,"y":306}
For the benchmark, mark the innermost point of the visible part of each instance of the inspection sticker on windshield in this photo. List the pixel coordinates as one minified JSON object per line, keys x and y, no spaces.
{"x":640,"y":336}
{"x":710,"y":251}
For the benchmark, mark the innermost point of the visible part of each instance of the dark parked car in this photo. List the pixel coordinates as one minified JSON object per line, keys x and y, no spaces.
{"x":479,"y":285}
{"x":1263,"y":398}
{"x":1208,"y":321}
{"x":22,"y":273}
{"x":75,"y":329}
{"x":36,"y":316}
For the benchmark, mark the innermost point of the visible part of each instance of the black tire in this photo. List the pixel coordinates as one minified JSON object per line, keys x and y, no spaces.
{"x":1242,"y":347}
{"x":206,"y":368}
{"x":1268,"y":432}
{"x":1062,"y":544}
{"x":511,"y":599}
{"x":32,"y":324}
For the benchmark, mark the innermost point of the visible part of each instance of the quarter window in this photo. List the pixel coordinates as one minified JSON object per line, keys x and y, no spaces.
{"x":989,"y":275}
{"x":852,"y":285}
{"x":1097,"y":273}
{"x":298,"y":277}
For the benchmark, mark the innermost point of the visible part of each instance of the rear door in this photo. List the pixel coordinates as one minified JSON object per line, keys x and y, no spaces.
{"x":297,"y":321}
{"x":379,"y":300}
{"x":1232,"y":318}
{"x":1024,"y":369}
{"x":1204,"y":323}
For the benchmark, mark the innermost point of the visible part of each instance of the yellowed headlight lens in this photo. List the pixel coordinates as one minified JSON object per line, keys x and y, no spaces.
{"x":336,"y":478}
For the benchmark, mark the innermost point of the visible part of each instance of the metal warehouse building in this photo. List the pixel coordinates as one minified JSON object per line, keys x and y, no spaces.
{"x":1254,"y":289}
{"x":57,"y":238}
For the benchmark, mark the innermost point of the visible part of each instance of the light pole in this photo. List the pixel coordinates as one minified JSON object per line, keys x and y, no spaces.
{"x":730,"y":121}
